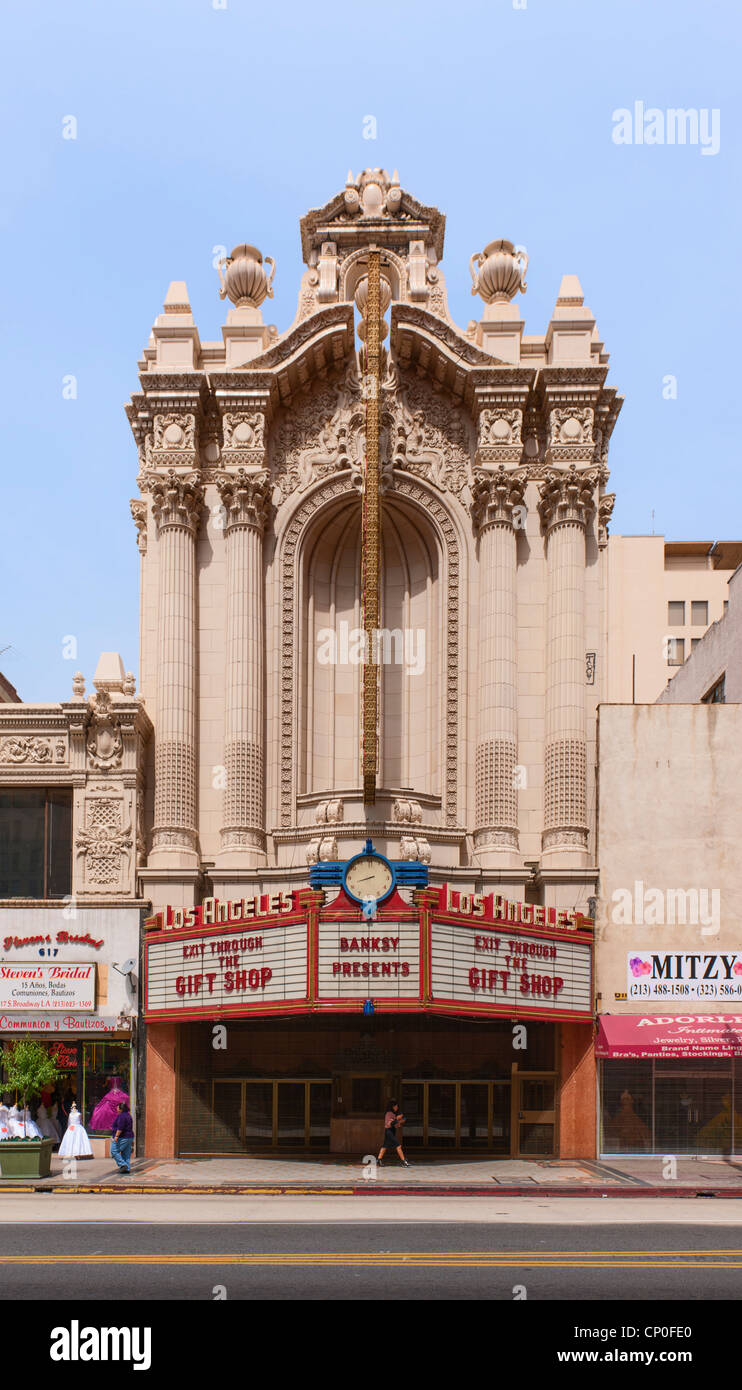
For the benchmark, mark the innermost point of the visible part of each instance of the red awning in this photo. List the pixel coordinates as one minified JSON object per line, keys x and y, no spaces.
{"x":661,"y":1035}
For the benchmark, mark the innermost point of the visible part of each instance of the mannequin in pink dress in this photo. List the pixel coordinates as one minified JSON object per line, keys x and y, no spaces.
{"x":106,"y":1110}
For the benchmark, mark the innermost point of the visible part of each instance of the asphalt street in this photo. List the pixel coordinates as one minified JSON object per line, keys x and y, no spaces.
{"x":505,"y":1255}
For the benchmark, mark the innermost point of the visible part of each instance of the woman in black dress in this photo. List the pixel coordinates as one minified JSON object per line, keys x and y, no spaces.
{"x":392,"y":1119}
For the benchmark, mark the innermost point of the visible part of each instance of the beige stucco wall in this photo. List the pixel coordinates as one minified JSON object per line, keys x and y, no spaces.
{"x":718,"y":654}
{"x":642,"y":580}
{"x":669,"y":818}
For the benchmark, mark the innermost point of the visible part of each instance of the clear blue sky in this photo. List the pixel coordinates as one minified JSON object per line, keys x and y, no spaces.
{"x":200,"y":126}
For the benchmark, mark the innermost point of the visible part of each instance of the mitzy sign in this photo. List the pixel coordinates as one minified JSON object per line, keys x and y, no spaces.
{"x":450,"y":953}
{"x":26,"y":986}
{"x":715,"y":975}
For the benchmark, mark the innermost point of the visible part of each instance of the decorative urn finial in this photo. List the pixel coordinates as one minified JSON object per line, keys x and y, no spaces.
{"x":501,"y":271}
{"x":244,"y":280}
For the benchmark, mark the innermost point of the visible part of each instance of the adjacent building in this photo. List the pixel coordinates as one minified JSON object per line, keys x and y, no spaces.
{"x":72,"y":838}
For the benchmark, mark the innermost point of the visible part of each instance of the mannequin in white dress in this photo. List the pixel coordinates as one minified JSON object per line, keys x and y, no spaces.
{"x":75,"y":1143}
{"x":4,"y":1123}
{"x":16,"y":1123}
{"x":47,"y":1125}
{"x":30,"y":1128}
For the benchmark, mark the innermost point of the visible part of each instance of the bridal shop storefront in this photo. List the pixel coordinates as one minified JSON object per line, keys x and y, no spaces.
{"x":279,"y":1022}
{"x":62,"y":981}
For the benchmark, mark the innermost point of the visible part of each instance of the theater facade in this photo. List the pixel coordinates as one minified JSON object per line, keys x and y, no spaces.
{"x":373,"y":633}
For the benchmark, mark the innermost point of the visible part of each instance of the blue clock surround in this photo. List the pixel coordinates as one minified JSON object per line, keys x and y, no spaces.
{"x":406,"y":873}
{"x":369,"y":851}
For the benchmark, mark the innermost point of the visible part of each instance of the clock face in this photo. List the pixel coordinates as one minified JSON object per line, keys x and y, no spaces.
{"x":369,"y":877}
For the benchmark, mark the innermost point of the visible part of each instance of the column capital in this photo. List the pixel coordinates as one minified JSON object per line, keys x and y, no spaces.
{"x":246,"y":498}
{"x":497,"y":498}
{"x":567,"y":496}
{"x":177,"y":500}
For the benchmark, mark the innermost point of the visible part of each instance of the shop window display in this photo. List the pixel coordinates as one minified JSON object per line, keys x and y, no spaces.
{"x":93,"y":1076}
{"x":674,"y":1105}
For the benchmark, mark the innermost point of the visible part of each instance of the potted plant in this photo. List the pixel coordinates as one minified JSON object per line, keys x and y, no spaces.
{"x":27,"y":1066}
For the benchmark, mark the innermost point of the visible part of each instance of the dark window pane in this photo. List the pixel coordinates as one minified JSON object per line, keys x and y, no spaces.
{"x":412,"y":1109}
{"x":59,"y":845}
{"x":291,"y":1113}
{"x":227,"y":1102}
{"x":627,"y":1107}
{"x":693,"y":1107}
{"x":258,"y":1114}
{"x":474,"y":1121}
{"x":22,"y":844}
{"x":320,"y":1097}
{"x":501,"y":1101}
{"x":441,"y":1115}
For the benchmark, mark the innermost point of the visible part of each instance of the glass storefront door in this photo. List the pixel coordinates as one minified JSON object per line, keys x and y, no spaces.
{"x":247,"y":1115}
{"x":535,"y":1099}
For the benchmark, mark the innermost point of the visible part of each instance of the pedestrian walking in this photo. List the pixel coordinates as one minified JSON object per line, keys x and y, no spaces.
{"x":392,"y":1120}
{"x":122,"y":1141}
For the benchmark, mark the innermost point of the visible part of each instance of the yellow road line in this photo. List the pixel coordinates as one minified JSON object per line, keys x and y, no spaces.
{"x":442,"y":1259}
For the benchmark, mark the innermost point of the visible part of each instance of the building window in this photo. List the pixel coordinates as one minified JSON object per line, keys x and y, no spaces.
{"x":726,"y":606}
{"x":716,"y":695}
{"x":36,"y":839}
{"x":676,"y":614}
{"x":699,"y":613}
{"x":694,"y":643}
{"x":675,"y":651}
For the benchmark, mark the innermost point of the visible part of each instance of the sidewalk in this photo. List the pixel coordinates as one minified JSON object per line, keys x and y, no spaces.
{"x":312,"y":1174}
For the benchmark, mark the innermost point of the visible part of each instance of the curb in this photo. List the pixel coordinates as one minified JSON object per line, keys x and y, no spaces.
{"x":368,"y":1189}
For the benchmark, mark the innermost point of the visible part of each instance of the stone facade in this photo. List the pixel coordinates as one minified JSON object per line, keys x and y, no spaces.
{"x":95,"y":747}
{"x":494,"y":449}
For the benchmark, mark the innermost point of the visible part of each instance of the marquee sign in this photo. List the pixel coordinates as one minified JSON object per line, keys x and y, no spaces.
{"x":378,"y":959}
{"x":445,"y":953}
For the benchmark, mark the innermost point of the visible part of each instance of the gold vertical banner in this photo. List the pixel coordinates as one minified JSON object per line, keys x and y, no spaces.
{"x":371,"y":532}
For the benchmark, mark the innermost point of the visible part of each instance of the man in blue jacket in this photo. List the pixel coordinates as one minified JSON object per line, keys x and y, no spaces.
{"x":122,"y":1141}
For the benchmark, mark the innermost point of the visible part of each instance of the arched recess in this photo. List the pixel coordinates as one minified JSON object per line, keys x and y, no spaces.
{"x":319,"y":552}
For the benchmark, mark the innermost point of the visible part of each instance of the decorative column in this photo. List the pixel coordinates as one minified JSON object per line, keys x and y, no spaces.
{"x":498,"y":497}
{"x":177,"y":501}
{"x":245,"y":499}
{"x":566,"y":505}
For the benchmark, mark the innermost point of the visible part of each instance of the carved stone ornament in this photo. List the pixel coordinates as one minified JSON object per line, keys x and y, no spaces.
{"x":177,"y":500}
{"x":139,"y":515}
{"x":244,"y":429}
{"x":570,"y":438}
{"x":174,"y":431}
{"x":605,"y":510}
{"x":407,"y":811}
{"x":567,"y":496}
{"x":104,"y":844}
{"x":16,"y":751}
{"x":501,"y":272}
{"x":500,"y":436}
{"x":496,"y":498}
{"x":414,"y":847}
{"x":322,"y":851}
{"x":245,"y":499}
{"x":105,"y":745}
{"x":329,"y":812}
{"x":244,"y":280}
